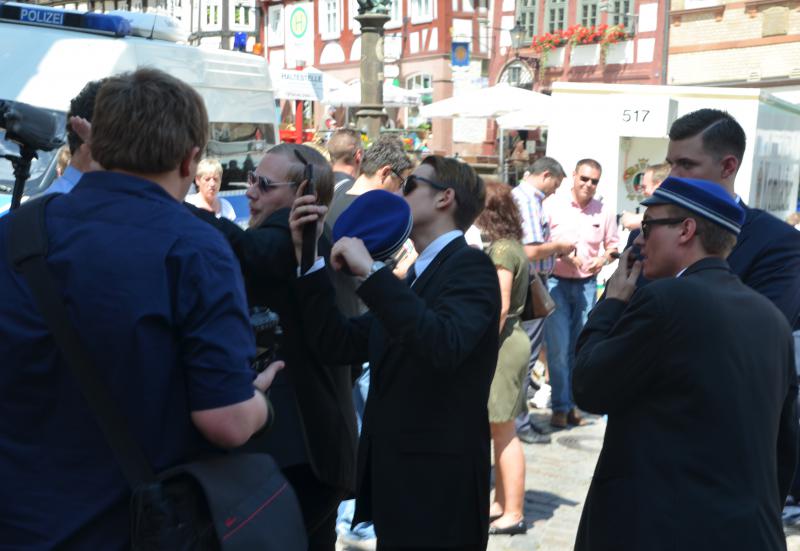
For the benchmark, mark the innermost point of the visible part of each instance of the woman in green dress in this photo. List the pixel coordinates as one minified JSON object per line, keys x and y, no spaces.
{"x":501,"y":225}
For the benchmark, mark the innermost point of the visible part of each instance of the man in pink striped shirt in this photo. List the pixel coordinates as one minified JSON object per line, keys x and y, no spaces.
{"x":581,"y":219}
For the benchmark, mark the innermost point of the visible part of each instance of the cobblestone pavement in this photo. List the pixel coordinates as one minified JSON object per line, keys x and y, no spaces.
{"x":557,"y":478}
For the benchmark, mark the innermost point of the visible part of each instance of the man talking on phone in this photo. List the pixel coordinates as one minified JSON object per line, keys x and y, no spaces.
{"x":701,"y":441}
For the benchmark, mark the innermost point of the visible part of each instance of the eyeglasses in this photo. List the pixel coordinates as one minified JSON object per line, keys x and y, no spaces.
{"x":648,"y":222}
{"x":308,"y":170}
{"x":585,"y":179}
{"x":410,"y":184}
{"x":397,"y":175}
{"x":264,"y":184}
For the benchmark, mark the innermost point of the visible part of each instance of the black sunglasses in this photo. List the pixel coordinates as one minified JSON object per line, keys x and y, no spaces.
{"x":264,"y":184}
{"x":647,"y":224}
{"x":410,"y":184}
{"x":594,"y":181}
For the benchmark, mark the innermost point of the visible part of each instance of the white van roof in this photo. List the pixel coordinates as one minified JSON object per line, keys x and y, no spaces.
{"x":47,"y":67}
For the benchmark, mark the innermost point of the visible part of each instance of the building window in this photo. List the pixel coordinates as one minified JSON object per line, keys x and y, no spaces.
{"x":242,"y":15}
{"x":423,"y":83}
{"x":396,"y":13}
{"x":622,"y":13}
{"x":588,"y":13}
{"x":556,"y":13}
{"x":526,"y":15}
{"x":519,"y":75}
{"x":421,"y":10}
{"x":329,"y":18}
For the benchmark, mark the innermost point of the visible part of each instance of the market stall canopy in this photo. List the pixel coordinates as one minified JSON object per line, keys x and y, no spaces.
{"x":490,"y":102}
{"x":393,"y":96}
{"x":525,"y":119}
{"x":310,"y":84}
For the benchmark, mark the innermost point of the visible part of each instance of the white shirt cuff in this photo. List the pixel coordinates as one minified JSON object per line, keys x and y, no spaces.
{"x":318,"y":264}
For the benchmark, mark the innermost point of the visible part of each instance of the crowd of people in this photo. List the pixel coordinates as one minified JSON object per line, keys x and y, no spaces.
{"x":406,"y":357}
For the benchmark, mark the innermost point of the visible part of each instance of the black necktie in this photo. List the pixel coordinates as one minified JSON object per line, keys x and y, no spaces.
{"x":411,"y":275}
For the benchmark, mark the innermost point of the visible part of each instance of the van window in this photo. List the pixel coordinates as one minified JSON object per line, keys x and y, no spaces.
{"x":239,"y":147}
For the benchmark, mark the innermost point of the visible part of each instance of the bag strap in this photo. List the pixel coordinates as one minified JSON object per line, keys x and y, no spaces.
{"x":27,"y":253}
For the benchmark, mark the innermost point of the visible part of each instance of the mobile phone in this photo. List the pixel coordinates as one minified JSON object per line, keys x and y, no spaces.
{"x":307,"y":256}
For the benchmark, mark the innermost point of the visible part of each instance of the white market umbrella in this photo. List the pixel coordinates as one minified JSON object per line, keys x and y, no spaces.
{"x":490,"y":102}
{"x":522,"y":120}
{"x":393,"y":96}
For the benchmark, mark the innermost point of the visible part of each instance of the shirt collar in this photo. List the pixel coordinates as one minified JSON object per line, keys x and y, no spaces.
{"x":433,"y":249}
{"x":531,"y":191}
{"x":71,"y":174}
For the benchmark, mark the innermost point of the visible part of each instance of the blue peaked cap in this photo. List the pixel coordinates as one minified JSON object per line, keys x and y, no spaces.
{"x":382,"y":220}
{"x":706,"y":199}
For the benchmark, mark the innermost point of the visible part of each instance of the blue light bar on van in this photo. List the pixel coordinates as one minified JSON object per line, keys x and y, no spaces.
{"x":77,"y":21}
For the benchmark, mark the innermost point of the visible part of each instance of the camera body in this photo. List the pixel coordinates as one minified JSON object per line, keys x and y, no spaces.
{"x":269,"y":334}
{"x":31,"y":126}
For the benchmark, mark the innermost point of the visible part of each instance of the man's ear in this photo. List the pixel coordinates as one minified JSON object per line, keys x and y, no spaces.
{"x":688,"y":230}
{"x":446,"y":198}
{"x":359,"y":154}
{"x":186,"y":168}
{"x":730,"y":165}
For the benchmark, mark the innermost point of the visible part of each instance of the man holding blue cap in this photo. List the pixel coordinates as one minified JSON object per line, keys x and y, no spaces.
{"x":432,"y":343}
{"x":696,"y":374}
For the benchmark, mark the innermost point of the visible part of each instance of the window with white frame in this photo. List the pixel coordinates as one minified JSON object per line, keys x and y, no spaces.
{"x":526,"y":15}
{"x":423,"y":83}
{"x":275,"y":25}
{"x":421,"y":11}
{"x":556,"y":15}
{"x":212,"y":15}
{"x":329,"y":14}
{"x":622,"y":13}
{"x":395,"y":13}
{"x":587,"y":14}
{"x":242,"y":16}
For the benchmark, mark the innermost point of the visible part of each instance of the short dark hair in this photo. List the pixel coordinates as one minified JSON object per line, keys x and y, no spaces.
{"x":146,"y":122}
{"x":500,"y":218}
{"x":386,"y":150}
{"x":721,"y":134}
{"x":468,"y":186}
{"x":588,"y":162}
{"x":82,"y":105}
{"x":322,"y":176}
{"x":343,"y":146}
{"x":715,"y":239}
{"x":547,"y":164}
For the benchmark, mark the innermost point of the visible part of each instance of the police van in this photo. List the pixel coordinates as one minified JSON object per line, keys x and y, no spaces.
{"x":47,"y":55}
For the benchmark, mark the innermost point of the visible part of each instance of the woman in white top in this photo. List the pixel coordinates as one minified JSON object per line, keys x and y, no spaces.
{"x":208,"y":179}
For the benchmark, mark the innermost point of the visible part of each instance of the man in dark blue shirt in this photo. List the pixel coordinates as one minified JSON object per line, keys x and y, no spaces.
{"x":157,"y":298}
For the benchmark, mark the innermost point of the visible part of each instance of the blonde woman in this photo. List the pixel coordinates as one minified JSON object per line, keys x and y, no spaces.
{"x":208,"y":180}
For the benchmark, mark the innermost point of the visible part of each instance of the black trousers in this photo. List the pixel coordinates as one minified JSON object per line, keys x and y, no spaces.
{"x":319,"y":503}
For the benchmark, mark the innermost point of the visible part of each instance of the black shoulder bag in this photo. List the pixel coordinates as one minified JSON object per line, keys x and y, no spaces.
{"x":232,"y":502}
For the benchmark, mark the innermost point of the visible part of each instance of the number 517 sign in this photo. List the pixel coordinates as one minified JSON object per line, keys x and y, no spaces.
{"x":645,"y":116}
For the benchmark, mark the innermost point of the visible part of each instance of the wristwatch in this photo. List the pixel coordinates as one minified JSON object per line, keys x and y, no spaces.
{"x":377,"y":265}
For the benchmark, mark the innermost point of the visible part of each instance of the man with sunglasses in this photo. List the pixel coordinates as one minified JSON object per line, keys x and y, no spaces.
{"x":695,"y":371}
{"x":432,"y":344}
{"x":313,"y":438}
{"x":577,"y":218}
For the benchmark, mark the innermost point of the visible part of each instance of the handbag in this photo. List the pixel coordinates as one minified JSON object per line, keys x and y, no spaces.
{"x":230,"y":502}
{"x":538,"y":302}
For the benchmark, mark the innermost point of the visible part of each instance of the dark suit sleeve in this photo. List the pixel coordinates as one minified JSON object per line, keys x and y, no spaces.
{"x":776,"y":273}
{"x":446,"y":329}
{"x":334,"y":339}
{"x":616,"y":352}
{"x":788,"y":434}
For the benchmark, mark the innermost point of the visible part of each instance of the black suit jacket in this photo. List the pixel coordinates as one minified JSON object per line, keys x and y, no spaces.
{"x":423,"y":458}
{"x":324,"y":393}
{"x":766,"y":258}
{"x":697,"y":377}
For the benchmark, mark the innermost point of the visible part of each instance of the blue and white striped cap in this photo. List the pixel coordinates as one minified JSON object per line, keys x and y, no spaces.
{"x":706,"y":199}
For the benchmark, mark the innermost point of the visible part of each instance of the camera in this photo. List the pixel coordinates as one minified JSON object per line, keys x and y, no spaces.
{"x":269,"y":334}
{"x":31,"y":126}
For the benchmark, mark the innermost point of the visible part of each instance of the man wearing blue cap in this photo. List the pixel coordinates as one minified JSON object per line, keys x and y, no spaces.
{"x":432,"y":342}
{"x":701,"y":441}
